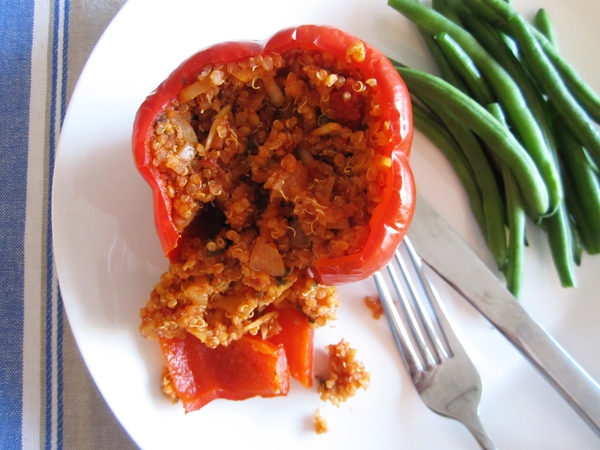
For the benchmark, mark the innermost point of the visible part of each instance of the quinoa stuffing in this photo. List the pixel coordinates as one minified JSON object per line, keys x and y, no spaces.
{"x":320,"y":423}
{"x":270,"y":164}
{"x":374,"y":304}
{"x":167,"y":387}
{"x":346,"y":374}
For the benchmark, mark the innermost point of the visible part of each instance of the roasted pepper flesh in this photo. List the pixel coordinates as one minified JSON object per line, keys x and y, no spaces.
{"x":247,"y":368}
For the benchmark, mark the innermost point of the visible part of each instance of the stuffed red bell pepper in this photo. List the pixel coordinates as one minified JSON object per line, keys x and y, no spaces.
{"x":278,"y":168}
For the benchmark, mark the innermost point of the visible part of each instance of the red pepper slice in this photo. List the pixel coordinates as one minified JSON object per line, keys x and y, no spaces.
{"x":246,"y":368}
{"x":296,"y":336}
{"x":389,"y":220}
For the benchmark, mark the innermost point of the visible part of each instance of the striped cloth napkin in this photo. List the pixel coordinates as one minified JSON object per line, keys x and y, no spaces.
{"x":47,"y":399}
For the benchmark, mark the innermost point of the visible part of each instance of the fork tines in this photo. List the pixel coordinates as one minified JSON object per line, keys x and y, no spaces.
{"x":417,"y":330}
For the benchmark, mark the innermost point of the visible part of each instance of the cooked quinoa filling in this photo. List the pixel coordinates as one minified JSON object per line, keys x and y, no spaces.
{"x":346,"y":374}
{"x":271,"y":163}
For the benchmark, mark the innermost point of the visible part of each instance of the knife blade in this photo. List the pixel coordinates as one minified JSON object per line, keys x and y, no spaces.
{"x":451,"y":258}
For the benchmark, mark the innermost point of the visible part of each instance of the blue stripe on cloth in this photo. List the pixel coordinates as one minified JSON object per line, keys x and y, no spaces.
{"x":60,"y":324}
{"x":49,"y":252}
{"x":16,"y":30}
{"x":54,"y":308}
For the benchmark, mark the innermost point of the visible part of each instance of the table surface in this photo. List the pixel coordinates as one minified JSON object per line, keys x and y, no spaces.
{"x":47,"y":398}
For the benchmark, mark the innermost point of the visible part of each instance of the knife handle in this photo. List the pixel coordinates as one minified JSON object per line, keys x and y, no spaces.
{"x":559,"y":368}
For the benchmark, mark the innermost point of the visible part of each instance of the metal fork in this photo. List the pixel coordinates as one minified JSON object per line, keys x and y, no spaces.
{"x":441,"y":370}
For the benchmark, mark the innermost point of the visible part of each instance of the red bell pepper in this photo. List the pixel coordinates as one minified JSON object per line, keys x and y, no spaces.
{"x":248,"y":367}
{"x":296,"y":336}
{"x":389,"y":220}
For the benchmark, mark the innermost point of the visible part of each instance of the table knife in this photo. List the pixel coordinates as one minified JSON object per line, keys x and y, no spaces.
{"x":451,"y":258}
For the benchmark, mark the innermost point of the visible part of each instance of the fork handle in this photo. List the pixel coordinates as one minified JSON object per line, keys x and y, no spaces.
{"x":476,"y":428}
{"x":462,"y":409}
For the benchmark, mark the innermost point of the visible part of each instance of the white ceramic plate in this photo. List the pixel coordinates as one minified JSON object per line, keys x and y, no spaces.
{"x":109,"y":258}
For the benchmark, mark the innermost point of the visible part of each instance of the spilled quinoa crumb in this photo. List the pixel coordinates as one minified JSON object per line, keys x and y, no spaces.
{"x":346,"y":374}
{"x":320,"y":423}
{"x":374,"y":304}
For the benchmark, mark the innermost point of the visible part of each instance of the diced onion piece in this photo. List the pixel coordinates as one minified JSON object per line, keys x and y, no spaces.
{"x":265,"y":257}
{"x":215,"y":124}
{"x":193,"y":90}
{"x":328,"y":128}
{"x":187,"y":132}
{"x":255,"y":325}
{"x":246,"y":74}
{"x":197,"y":295}
{"x":187,"y":153}
{"x":305,"y":156}
{"x":273,"y":91}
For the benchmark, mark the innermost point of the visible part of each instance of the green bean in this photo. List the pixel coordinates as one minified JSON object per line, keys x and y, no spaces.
{"x":584,"y":94}
{"x":466,"y":69}
{"x":494,"y":42}
{"x":568,"y":108}
{"x":584,"y":181}
{"x":493,"y":206}
{"x":446,"y":70}
{"x":587,"y":236}
{"x":493,"y":18}
{"x":582,"y":193}
{"x":577,"y":245}
{"x":559,"y":238}
{"x":445,"y":142}
{"x":558,"y":228}
{"x":501,"y":83}
{"x":516,"y":216}
{"x":443,"y":8}
{"x":496,"y":111}
{"x":544,"y":25}
{"x":479,"y":120}
{"x":492,"y":202}
{"x":588,"y":99}
{"x":558,"y":224}
{"x":574,"y":217}
{"x":491,"y":39}
{"x":494,"y":14}
{"x":516,"y":235}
